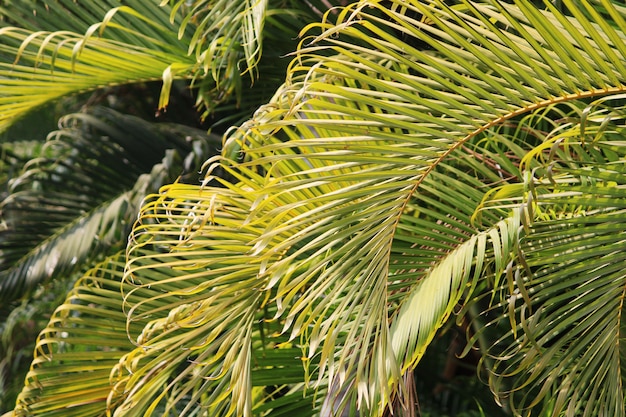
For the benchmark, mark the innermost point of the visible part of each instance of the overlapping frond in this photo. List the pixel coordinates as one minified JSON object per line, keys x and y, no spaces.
{"x":220,"y":47}
{"x":116,"y":43}
{"x":375,"y":118}
{"x":212,"y":43}
{"x":392,"y":175}
{"x":228,"y":42}
{"x":566,"y":289}
{"x":70,"y":373}
{"x":79,"y":198}
{"x":229,"y":33}
{"x":208,"y":314}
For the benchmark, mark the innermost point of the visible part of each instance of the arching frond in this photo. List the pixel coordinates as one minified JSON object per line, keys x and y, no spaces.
{"x":379,"y":119}
{"x":79,"y":198}
{"x":70,"y":373}
{"x":119,"y":43}
{"x":39,"y":67}
{"x":400,"y":169}
{"x":566,"y":291}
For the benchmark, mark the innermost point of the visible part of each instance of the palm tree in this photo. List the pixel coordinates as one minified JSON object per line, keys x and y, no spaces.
{"x":423,"y":163}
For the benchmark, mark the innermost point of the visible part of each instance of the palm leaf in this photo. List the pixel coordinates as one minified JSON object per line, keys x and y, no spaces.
{"x":91,"y":177}
{"x":229,"y":44}
{"x":122,"y":46}
{"x":218,"y":49}
{"x":219,"y":46}
{"x":50,"y":16}
{"x":341,"y":213}
{"x":332,"y":166}
{"x":70,"y":373}
{"x":114,"y":44}
{"x":564,"y":352}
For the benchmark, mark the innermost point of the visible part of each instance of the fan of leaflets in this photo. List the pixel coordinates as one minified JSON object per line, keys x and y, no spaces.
{"x":352,"y":216}
{"x":418,"y":156}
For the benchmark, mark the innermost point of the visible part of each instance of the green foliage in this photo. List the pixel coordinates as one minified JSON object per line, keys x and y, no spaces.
{"x":430,"y":180}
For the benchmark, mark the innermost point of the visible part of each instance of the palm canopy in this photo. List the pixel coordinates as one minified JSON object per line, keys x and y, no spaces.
{"x":420,"y":159}
{"x":214,"y":44}
{"x":103,"y":45}
{"x":107,"y":44}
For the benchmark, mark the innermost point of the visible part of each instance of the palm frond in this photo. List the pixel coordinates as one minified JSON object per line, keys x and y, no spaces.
{"x":330,"y":167}
{"x":14,"y":156}
{"x":227,"y":33}
{"x":146,"y":20}
{"x":115,"y":43}
{"x":566,"y":289}
{"x":42,"y":66}
{"x":228,"y":42}
{"x":217,"y":49}
{"x":91,"y":177}
{"x":72,"y":342}
{"x":357,"y":192}
{"x":181,"y":321}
